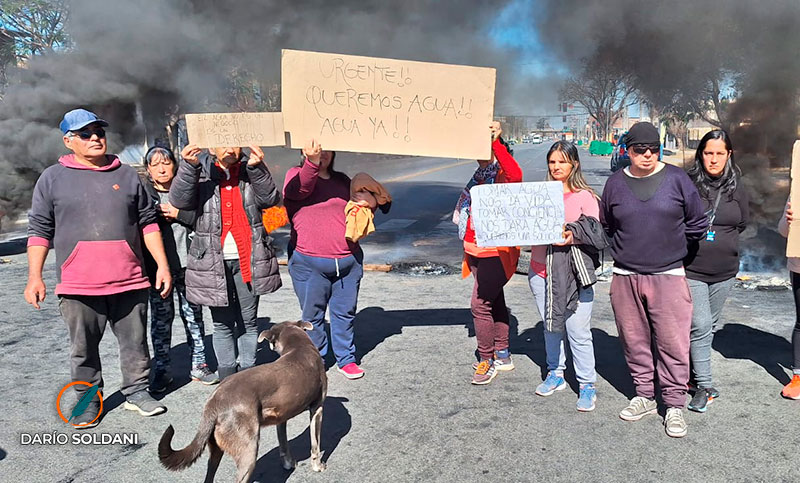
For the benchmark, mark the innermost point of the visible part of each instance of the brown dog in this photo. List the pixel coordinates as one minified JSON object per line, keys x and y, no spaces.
{"x":259,"y":396}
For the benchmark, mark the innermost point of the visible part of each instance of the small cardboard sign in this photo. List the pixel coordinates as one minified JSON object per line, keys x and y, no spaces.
{"x":374,"y":105}
{"x":514,"y":214}
{"x":235,"y":129}
{"x":793,"y":242}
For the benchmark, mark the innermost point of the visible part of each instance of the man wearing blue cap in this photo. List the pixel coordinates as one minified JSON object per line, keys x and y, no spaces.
{"x":94,"y":211}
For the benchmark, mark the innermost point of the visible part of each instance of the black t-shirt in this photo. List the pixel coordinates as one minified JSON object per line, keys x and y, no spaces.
{"x":718,"y":260}
{"x":645,"y":188}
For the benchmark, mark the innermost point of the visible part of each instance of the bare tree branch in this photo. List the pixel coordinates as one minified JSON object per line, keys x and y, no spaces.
{"x":603,"y":91}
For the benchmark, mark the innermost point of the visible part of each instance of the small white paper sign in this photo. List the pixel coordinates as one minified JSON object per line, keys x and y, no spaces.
{"x":514,"y":214}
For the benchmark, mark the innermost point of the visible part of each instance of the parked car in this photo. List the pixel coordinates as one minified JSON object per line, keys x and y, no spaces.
{"x":537,"y":139}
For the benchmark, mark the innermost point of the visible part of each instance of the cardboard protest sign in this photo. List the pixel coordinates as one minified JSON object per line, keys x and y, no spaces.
{"x":514,"y":214}
{"x":373,"y":105}
{"x":236,"y":129}
{"x":793,"y":243}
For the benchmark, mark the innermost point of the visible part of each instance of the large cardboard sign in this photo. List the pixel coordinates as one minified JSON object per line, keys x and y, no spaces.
{"x":236,"y":129}
{"x":514,"y":214}
{"x":793,"y":243}
{"x":373,"y":105}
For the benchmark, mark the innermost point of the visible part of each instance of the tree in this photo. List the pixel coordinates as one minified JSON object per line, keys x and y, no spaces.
{"x":37,"y":26}
{"x":705,"y":96}
{"x":28,"y":28}
{"x":603,"y":90}
{"x":543,"y":124}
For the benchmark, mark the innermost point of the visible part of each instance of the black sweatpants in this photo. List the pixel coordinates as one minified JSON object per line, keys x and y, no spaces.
{"x":796,"y":332}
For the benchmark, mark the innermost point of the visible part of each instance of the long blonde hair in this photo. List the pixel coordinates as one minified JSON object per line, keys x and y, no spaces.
{"x":575,"y":181}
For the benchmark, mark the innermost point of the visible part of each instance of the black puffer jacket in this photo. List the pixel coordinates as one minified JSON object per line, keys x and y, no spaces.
{"x":570,"y":268}
{"x":196,"y":187}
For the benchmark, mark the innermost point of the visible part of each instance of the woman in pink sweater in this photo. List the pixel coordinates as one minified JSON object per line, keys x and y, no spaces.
{"x":325,"y":267}
{"x":563,"y":164}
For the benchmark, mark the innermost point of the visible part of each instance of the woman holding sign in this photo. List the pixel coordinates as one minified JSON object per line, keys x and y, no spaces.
{"x":492,"y":268}
{"x":713,"y":262}
{"x":563,"y":164}
{"x":325,"y":267}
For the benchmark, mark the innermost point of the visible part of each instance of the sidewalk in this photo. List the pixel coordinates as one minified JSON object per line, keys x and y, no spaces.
{"x":415,"y":417}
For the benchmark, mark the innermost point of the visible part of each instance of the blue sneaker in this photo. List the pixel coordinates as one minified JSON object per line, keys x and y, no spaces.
{"x":587,"y":397}
{"x":552,"y":383}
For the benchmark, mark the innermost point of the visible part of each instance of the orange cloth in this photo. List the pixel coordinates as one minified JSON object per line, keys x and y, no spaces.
{"x":509,"y":256}
{"x":274,"y":218}
{"x":363,"y":183}
{"x":358,"y":221}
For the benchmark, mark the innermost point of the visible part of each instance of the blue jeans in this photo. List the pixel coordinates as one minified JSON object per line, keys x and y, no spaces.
{"x":329,"y":282}
{"x":707,"y":302}
{"x":578,"y":330}
{"x":235,"y":326}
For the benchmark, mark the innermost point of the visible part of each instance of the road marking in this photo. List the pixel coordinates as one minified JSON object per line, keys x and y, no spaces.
{"x":427,"y":171}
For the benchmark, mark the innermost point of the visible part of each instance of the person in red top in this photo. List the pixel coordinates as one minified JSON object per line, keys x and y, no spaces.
{"x":230,"y":262}
{"x":492,"y":268}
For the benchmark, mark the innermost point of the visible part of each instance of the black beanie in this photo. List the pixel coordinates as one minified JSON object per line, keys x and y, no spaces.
{"x":642,"y":133}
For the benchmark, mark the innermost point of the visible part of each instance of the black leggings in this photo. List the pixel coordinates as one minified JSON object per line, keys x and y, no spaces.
{"x":796,"y":332}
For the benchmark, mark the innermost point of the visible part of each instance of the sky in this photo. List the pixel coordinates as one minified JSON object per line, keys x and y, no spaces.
{"x":515,"y":28}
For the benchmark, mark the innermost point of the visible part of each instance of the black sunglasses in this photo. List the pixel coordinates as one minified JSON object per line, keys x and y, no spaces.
{"x":87,"y":134}
{"x":643,"y":148}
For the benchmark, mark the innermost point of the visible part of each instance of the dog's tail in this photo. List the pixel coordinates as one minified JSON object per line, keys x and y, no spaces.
{"x":183,"y":458}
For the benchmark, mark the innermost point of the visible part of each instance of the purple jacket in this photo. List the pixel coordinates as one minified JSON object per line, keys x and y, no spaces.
{"x":95,"y":219}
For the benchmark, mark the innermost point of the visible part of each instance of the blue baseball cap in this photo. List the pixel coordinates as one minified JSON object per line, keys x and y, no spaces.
{"x":78,"y":119}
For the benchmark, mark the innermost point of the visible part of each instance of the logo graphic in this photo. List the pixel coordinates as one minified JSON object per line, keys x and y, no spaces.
{"x":82,"y":404}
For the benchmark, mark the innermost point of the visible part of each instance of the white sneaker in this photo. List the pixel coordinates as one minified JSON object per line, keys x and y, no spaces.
{"x":638,"y":408}
{"x":675,"y":424}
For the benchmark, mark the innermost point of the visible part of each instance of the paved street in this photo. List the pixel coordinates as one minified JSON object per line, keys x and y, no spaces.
{"x":415,"y":417}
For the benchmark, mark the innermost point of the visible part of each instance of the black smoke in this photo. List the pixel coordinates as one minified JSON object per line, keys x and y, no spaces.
{"x":176,"y":56}
{"x":671,"y":48}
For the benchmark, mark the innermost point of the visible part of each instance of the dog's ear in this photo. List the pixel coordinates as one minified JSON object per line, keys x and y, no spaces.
{"x":265,"y":335}
{"x":304,"y":325}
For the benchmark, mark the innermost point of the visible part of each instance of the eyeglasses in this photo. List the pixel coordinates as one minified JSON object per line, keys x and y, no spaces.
{"x":643,"y":148}
{"x":88,"y":133}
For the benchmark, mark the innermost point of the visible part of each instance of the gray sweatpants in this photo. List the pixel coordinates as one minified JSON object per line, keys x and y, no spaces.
{"x":86,"y":317}
{"x":578,"y":332}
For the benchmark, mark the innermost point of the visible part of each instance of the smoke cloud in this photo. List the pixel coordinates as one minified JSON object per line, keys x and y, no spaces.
{"x":175,"y":56}
{"x":670,"y":47}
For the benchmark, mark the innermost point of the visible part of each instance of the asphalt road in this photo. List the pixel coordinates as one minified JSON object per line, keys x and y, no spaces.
{"x":415,"y":417}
